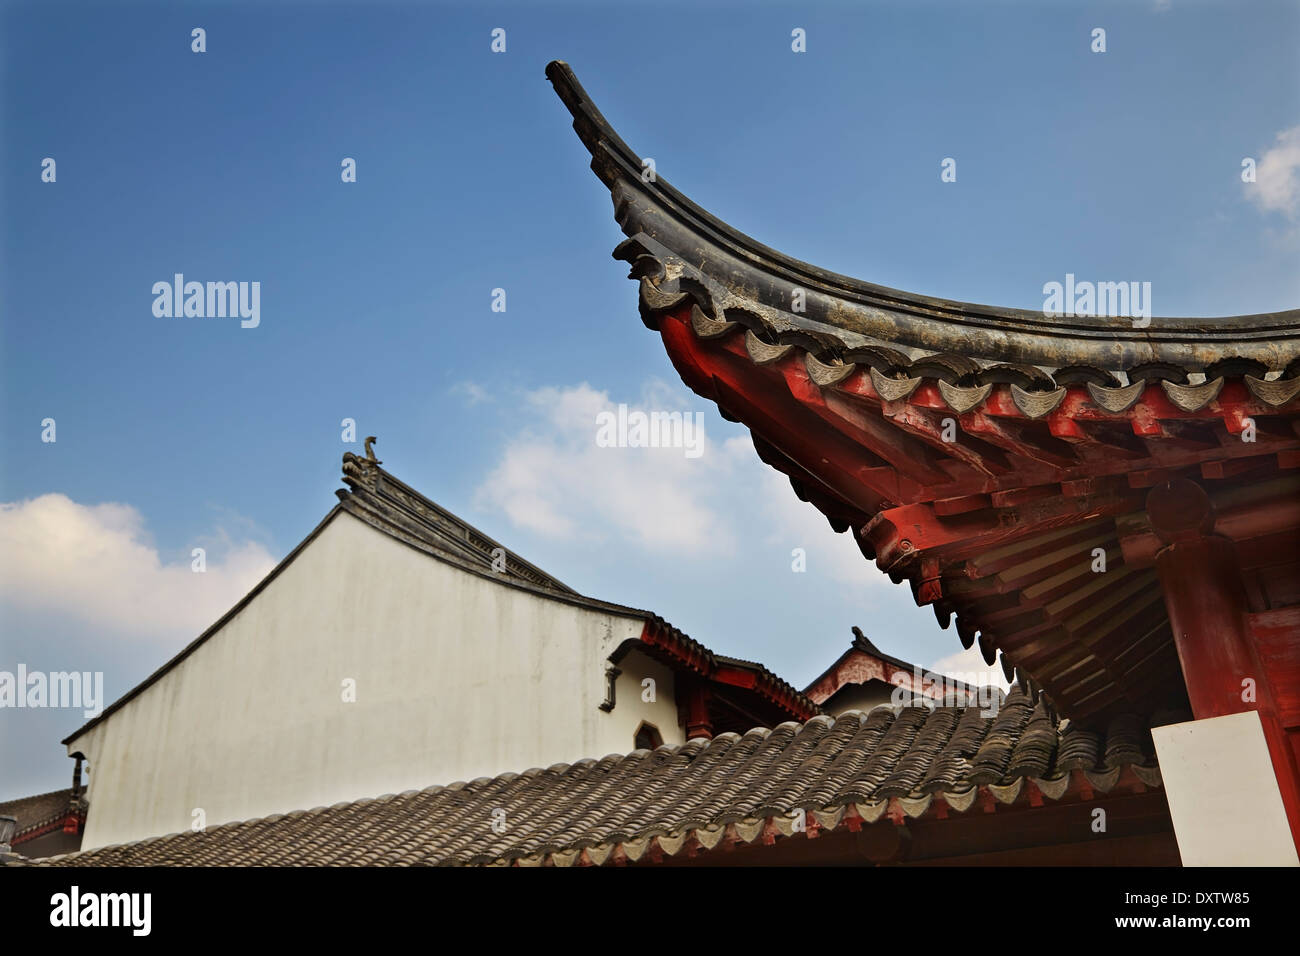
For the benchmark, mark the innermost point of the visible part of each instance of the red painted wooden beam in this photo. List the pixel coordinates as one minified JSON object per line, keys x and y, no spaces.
{"x":1201,"y":578}
{"x":698,"y":722}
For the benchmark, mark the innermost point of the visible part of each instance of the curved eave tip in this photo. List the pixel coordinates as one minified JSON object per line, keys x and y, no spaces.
{"x":567,"y":86}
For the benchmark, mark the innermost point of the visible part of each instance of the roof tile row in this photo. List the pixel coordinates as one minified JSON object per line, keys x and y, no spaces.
{"x":696,"y":795}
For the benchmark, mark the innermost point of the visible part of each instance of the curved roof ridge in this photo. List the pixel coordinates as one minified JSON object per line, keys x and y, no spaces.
{"x":690,"y":252}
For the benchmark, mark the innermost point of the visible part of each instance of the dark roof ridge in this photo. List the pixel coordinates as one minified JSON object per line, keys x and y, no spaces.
{"x":391,"y":498}
{"x":6,"y":804}
{"x":863,"y":644}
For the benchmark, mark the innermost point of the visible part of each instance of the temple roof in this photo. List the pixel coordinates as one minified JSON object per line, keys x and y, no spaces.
{"x":40,"y":810}
{"x":863,"y":662}
{"x":998,"y":460}
{"x":681,"y":253}
{"x":848,"y":771}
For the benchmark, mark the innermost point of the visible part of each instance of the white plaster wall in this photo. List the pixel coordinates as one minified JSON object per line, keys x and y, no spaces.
{"x":629,"y":699}
{"x":457,"y":677}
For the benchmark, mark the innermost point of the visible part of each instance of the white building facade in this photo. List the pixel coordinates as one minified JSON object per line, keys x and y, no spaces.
{"x":396,"y":648}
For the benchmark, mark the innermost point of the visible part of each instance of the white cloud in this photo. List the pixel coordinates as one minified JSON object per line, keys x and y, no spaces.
{"x":1277,"y":176}
{"x":968,"y":666}
{"x":555,"y":480}
{"x":472,"y":392}
{"x":96,"y":563}
{"x":797,"y":524}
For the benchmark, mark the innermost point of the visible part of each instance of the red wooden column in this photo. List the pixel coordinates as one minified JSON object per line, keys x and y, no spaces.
{"x":696,"y":716}
{"x":1201,"y":578}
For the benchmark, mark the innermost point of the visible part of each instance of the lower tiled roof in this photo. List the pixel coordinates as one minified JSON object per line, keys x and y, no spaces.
{"x":40,"y":809}
{"x":842,"y":771}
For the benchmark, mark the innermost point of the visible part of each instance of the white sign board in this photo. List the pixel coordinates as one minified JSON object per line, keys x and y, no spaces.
{"x":1223,"y":794}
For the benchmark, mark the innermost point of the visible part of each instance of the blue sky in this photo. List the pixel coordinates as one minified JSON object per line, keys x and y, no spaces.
{"x":375,"y":302}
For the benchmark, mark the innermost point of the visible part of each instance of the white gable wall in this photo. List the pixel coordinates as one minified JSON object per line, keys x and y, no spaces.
{"x":457,"y":676}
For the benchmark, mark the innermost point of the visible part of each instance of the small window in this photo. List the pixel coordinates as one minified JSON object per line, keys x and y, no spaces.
{"x":648,"y":737}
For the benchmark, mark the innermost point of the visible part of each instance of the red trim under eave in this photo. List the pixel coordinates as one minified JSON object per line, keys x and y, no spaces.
{"x":736,"y":677}
{"x":699,"y":660}
{"x":71,"y":823}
